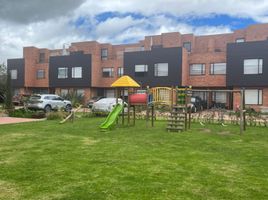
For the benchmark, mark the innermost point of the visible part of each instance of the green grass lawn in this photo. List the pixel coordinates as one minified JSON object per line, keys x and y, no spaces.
{"x":45,"y":160}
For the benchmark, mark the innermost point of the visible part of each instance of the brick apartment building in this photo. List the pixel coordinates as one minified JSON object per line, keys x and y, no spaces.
{"x":223,"y":61}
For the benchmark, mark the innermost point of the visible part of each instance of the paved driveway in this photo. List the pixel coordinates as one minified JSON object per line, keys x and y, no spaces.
{"x":13,"y":120}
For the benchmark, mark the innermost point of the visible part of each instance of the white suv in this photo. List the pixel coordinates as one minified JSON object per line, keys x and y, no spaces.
{"x":48,"y":102}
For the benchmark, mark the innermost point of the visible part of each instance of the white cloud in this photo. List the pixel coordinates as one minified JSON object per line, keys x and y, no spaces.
{"x":50,"y":29}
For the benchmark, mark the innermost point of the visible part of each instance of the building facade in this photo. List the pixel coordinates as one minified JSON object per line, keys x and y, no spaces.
{"x":224,"y":61}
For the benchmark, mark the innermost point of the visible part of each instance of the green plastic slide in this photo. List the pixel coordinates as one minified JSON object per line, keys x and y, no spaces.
{"x":110,"y":120}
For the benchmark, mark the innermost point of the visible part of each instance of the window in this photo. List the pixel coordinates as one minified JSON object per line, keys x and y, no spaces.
{"x":41,"y":57}
{"x":107,"y":72}
{"x":14,"y":74}
{"x":80,"y":92}
{"x":64,"y":92}
{"x":161,"y":69}
{"x":187,"y":46}
{"x":63,"y":72}
{"x":40,"y":74}
{"x":239,"y":40}
{"x":76,"y":72}
{"x":197,"y":69}
{"x":104,"y":54}
{"x":253,"y":66}
{"x":253,"y":97}
{"x":141,"y":70}
{"x":201,"y":95}
{"x":220,"y":97}
{"x":218,"y":68}
{"x":120,"y":71}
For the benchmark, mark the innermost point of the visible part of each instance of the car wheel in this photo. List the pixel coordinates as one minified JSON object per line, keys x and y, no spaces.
{"x":68,"y":108}
{"x":47,"y":108}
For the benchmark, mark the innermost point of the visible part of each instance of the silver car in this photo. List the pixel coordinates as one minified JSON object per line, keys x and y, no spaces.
{"x":48,"y":102}
{"x":106,"y":105}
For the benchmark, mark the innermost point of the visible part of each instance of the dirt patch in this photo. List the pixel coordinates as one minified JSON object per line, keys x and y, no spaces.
{"x":224,"y":133}
{"x":205,"y":130}
{"x":8,"y":191}
{"x":14,"y":120}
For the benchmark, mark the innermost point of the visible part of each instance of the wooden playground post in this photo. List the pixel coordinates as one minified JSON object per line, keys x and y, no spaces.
{"x":152,"y":115}
{"x":128,"y":109}
{"x":123,"y":113}
{"x":190,"y":111}
{"x":186,"y":109}
{"x":147,"y":107}
{"x":134,"y":115}
{"x":244,"y":113}
{"x":241,"y":111}
{"x":116,"y":94}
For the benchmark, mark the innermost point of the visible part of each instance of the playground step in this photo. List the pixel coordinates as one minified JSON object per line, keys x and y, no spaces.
{"x":176,"y":122}
{"x":177,"y":112}
{"x":176,"y":116}
{"x":176,"y":125}
{"x":175,"y":128}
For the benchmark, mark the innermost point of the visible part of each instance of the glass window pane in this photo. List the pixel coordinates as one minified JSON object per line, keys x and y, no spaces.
{"x":141,"y":68}
{"x":13,"y":74}
{"x":161,"y":69}
{"x":76,"y":72}
{"x":218,"y":68}
{"x":251,"y":97}
{"x":197,"y":69}
{"x":62,"y":72}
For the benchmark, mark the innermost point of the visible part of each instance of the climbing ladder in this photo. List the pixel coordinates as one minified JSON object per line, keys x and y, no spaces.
{"x":178,"y":114}
{"x":176,"y":120}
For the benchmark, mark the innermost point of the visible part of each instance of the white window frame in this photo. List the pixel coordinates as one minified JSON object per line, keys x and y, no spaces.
{"x":158,"y":72}
{"x":248,"y":67}
{"x":141,"y":68}
{"x":13,"y":74}
{"x":76,"y":72}
{"x":214,"y":66}
{"x":249,"y":96}
{"x":38,"y":72}
{"x":65,"y":74}
{"x":185,"y":46}
{"x":240,"y":40}
{"x":120,"y":71}
{"x":202,"y":71}
{"x":108,"y":69}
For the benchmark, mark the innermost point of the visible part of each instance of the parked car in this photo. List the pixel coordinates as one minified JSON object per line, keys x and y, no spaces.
{"x":93,"y":100}
{"x":48,"y":102}
{"x":19,"y":99}
{"x":197,"y":104}
{"x":105,"y":105}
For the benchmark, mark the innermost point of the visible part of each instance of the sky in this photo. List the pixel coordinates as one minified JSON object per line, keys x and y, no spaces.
{"x":53,"y":23}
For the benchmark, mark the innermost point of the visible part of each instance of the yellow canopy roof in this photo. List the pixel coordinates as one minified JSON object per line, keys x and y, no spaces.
{"x":125,"y":81}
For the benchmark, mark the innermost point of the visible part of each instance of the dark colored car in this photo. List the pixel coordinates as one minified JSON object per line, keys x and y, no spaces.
{"x":93,"y":100}
{"x":197,"y":104}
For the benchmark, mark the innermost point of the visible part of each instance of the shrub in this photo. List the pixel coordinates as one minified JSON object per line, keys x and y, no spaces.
{"x":23,"y":113}
{"x":59,"y":115}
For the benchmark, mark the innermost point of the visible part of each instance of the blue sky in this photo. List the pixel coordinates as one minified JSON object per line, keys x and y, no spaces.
{"x":44,"y":25}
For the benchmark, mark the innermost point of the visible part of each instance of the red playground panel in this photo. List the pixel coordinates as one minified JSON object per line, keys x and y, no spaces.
{"x":138,"y":99}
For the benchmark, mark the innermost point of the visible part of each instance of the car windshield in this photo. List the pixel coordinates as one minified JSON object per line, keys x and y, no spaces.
{"x":35,"y":97}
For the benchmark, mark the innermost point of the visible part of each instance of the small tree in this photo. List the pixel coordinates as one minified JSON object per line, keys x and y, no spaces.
{"x":3,"y":81}
{"x":8,"y":96}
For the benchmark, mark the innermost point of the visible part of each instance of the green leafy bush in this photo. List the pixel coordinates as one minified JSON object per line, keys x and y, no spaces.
{"x":23,"y":113}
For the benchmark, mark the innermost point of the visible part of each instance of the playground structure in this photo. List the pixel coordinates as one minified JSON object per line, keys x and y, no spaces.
{"x":176,"y":98}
